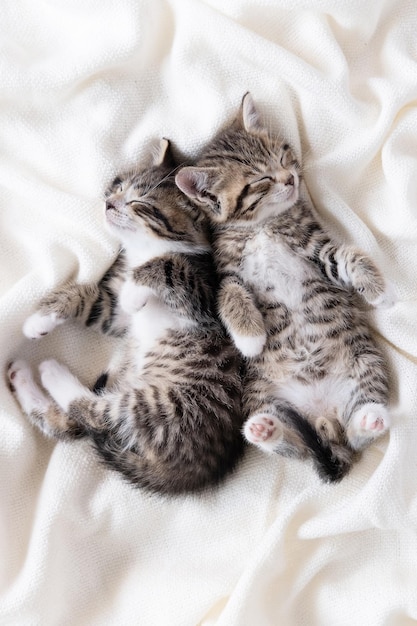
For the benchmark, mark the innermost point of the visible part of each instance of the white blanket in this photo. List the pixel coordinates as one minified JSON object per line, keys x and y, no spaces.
{"x":86,"y":87}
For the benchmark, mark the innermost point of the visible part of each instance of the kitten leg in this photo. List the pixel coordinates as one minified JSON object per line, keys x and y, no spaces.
{"x":327,"y":429}
{"x":62,"y":385}
{"x":356,"y":269}
{"x":68,"y":301}
{"x":39,"y":408}
{"x":270,"y":428}
{"x":78,"y":404}
{"x":366,"y":416}
{"x":368,"y":422}
{"x":348,"y":267}
{"x":241,"y":317}
{"x":95,"y":305}
{"x":40,"y":324}
{"x":175,"y":281}
{"x":283,"y":430}
{"x":343,"y":265}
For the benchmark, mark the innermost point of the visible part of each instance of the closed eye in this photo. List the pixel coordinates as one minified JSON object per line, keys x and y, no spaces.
{"x":262,"y":179}
{"x":117,"y":185}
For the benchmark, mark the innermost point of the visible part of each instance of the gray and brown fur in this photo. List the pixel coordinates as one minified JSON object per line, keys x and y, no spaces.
{"x":169,"y":418}
{"x":291,"y":298}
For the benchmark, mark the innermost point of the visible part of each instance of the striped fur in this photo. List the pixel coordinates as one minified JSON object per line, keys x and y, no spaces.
{"x":167,"y":413}
{"x":292,"y":300}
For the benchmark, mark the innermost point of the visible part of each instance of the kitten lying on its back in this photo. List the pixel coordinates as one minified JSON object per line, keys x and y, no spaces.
{"x":316,"y":381}
{"x":170,"y":417}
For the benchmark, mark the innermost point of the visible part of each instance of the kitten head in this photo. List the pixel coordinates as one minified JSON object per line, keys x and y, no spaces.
{"x":245,"y":174}
{"x":145,"y":204}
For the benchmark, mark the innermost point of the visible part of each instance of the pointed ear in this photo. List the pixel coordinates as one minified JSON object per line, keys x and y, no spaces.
{"x":197,"y":184}
{"x":193,"y":181}
{"x":249,"y":115}
{"x":162,"y":154}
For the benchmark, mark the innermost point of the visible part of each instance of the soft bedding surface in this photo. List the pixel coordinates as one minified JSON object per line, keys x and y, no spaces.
{"x":86,"y":87}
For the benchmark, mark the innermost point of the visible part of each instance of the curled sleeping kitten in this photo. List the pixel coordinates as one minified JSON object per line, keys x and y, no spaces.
{"x":170,"y":416}
{"x":316,"y":382}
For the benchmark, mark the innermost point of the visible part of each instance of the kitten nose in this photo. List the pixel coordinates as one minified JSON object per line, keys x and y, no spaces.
{"x":109,"y":205}
{"x":290,"y":180}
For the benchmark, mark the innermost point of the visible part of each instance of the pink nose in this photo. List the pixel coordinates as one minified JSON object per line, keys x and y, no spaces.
{"x":290,"y":180}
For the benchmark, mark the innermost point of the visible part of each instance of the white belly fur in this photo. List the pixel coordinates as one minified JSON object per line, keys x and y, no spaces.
{"x":323,"y":398}
{"x":269,"y":263}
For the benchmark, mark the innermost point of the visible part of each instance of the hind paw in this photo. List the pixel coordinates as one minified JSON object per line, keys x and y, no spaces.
{"x":330,"y":430}
{"x":263,"y":430}
{"x":326,"y":429}
{"x":367,"y":423}
{"x":23,"y":386}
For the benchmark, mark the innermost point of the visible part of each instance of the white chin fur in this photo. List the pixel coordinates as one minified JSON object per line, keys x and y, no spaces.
{"x":118,"y":221}
{"x":277,"y":206}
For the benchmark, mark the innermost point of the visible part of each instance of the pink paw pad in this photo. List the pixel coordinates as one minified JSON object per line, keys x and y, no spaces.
{"x":261,"y":428}
{"x":370,"y":421}
{"x":262,"y":431}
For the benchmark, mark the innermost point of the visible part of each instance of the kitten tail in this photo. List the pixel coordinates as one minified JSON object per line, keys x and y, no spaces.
{"x":331,"y":459}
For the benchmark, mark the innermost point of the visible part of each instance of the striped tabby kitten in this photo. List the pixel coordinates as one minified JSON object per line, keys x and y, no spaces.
{"x":170,"y":416}
{"x":316,"y":382}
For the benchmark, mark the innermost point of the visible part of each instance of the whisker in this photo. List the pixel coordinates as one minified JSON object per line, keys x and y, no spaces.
{"x":165,"y":177}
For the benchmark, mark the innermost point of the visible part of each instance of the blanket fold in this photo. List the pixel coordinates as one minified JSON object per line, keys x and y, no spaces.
{"x":86,"y":87}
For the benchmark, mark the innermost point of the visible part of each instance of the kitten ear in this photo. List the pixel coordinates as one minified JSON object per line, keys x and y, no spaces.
{"x":196,"y":183}
{"x":193,"y":181}
{"x":249,"y":115}
{"x":162,"y":154}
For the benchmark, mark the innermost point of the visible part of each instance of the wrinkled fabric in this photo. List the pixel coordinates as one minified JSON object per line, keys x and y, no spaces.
{"x":86,"y":88}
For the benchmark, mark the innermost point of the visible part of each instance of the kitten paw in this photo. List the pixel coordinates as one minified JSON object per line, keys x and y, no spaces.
{"x":22,"y":384}
{"x":387,"y":299}
{"x":263,"y":430}
{"x":367,"y":423}
{"x":327,"y":429}
{"x":63,"y":386}
{"x":133,"y":297}
{"x":38,"y":325}
{"x":18,"y":372}
{"x":249,"y":346}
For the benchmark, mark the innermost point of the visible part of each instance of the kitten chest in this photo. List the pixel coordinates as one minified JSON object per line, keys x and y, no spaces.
{"x":270,"y":267}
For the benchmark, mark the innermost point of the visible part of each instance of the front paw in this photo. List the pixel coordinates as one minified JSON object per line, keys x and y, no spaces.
{"x":133,"y":297}
{"x":387,"y":298}
{"x":249,"y":346}
{"x":40,"y":324}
